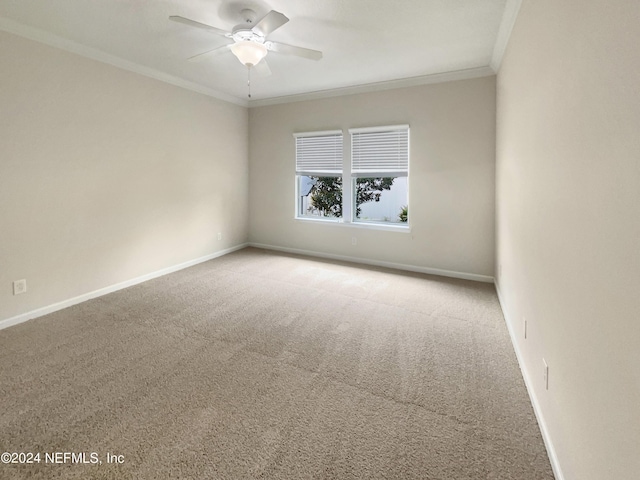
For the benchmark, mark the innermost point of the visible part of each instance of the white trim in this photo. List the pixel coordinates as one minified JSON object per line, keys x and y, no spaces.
{"x":379,"y":86}
{"x":327,"y":220}
{"x":377,"y":263}
{"x":509,"y":17}
{"x":546,"y":436}
{"x":9,"y":322}
{"x":55,"y":41}
{"x":319,"y":173}
{"x":389,"y":128}
{"x":323,"y":133}
{"x":399,"y":227}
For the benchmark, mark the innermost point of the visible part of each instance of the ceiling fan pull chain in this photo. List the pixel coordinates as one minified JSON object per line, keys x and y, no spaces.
{"x":249,"y":79}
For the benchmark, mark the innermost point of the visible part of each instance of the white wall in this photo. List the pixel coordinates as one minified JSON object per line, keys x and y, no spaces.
{"x":451,"y":188}
{"x":568,"y":224}
{"x":106,"y":175}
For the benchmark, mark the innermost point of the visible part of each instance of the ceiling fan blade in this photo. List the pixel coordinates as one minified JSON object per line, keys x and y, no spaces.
{"x":291,"y":50}
{"x":269,"y":23}
{"x":201,"y":57}
{"x":262,"y":69}
{"x":203,"y":26}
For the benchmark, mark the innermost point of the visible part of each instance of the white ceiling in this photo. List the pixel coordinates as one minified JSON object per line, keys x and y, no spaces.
{"x":383,"y":42}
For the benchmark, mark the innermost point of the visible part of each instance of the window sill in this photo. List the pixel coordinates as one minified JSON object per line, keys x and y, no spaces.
{"x":364,"y":225}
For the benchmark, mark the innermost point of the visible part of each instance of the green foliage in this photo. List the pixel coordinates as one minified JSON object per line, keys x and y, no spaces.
{"x":404,"y":214}
{"x":326,"y":194}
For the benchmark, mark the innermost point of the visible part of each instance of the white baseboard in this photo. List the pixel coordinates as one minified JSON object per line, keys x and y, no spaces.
{"x":546,"y":437}
{"x":112,"y":288}
{"x":377,"y":263}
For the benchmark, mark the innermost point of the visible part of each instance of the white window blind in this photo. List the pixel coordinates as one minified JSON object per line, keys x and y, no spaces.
{"x":383,"y":151}
{"x":319,"y":152}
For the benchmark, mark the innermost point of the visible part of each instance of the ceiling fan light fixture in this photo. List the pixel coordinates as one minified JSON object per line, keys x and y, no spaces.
{"x":249,"y":53}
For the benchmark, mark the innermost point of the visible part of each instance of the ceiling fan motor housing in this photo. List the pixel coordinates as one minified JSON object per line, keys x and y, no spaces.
{"x":242,"y":34}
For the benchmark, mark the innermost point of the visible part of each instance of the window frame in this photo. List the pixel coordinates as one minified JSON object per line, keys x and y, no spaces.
{"x":349,"y":177}
{"x":325,"y":166}
{"x":390,"y":169}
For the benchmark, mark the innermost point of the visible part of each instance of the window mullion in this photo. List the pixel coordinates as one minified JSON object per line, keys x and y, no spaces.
{"x":347,"y":183}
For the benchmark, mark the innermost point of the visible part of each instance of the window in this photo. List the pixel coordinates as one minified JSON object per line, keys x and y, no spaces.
{"x":376,"y":188}
{"x":379,"y":173}
{"x":319,"y":175}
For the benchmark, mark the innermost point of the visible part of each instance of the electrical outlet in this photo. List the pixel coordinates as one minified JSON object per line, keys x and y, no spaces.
{"x":354,"y":241}
{"x":524,"y":327}
{"x":219,"y":235}
{"x":19,"y":286}
{"x":546,"y":374}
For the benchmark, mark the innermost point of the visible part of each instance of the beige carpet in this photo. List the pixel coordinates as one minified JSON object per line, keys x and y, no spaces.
{"x":264,"y":365}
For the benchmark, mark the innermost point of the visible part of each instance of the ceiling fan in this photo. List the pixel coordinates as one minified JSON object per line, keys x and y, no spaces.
{"x":248,"y":42}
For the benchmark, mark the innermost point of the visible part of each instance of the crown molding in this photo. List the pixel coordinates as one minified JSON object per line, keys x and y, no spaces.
{"x":508,"y":20}
{"x":37,"y":35}
{"x":509,"y":17}
{"x":379,"y":86}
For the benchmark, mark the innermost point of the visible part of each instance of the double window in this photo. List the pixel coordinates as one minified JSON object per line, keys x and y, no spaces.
{"x":370,"y":188}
